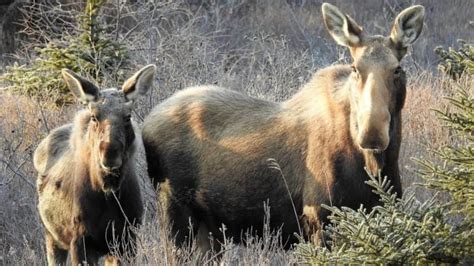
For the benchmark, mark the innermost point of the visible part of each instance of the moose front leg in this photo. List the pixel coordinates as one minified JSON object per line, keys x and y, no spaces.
{"x":78,"y":251}
{"x":80,"y":254}
{"x":55,"y":255}
{"x":312,"y":222}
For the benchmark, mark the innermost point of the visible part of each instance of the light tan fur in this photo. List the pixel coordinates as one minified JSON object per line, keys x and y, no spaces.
{"x":216,"y":147}
{"x":83,"y":166}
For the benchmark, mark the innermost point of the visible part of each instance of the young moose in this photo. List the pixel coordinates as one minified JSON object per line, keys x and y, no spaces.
{"x":211,"y":159}
{"x":87,"y":186}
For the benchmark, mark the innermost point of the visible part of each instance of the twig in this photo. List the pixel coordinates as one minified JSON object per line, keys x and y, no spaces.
{"x":16,"y":173}
{"x":273,"y":164}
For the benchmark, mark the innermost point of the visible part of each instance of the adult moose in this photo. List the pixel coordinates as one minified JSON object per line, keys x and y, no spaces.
{"x":88,"y":190}
{"x":211,"y":156}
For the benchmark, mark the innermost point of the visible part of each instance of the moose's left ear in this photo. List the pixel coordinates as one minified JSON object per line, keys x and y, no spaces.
{"x":83,"y":89}
{"x":139,"y":83}
{"x":407,"y":26}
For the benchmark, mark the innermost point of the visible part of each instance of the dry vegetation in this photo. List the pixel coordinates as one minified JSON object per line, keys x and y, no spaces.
{"x":266,"y":49}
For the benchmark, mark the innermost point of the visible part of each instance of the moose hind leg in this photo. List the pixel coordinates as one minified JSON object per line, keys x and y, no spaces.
{"x":111,"y":260}
{"x":55,"y":255}
{"x":184,"y":225}
{"x":155,"y":172}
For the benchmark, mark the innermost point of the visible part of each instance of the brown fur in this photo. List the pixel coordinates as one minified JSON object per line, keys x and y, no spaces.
{"x":215,"y":144}
{"x":81,"y":168}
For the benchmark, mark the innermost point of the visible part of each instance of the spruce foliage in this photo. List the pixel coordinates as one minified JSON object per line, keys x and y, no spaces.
{"x":89,"y":50}
{"x":399,"y":231}
{"x":458,"y":62}
{"x":406,"y":231}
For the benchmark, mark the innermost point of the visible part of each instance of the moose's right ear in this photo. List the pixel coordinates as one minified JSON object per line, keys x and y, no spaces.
{"x":83,"y":89}
{"x":343,"y":29}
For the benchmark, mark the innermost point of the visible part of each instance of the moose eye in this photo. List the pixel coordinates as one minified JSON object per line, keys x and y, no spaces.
{"x":94,"y":118}
{"x":355,"y":72}
{"x":397,"y":71}
{"x":127,"y":117}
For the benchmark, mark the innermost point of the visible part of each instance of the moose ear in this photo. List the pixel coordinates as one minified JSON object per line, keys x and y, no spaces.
{"x":139,"y":83}
{"x":407,"y":26}
{"x":343,"y":29}
{"x":83,"y":89}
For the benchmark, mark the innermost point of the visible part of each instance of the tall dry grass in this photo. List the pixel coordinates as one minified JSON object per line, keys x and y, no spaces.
{"x":24,"y":123}
{"x":267,"y":49}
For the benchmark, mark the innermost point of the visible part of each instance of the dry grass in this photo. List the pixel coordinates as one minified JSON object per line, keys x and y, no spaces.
{"x":155,"y":247}
{"x":23,"y":124}
{"x":266,"y":49}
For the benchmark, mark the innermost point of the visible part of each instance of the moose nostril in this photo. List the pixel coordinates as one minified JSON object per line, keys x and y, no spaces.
{"x":103,"y":145}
